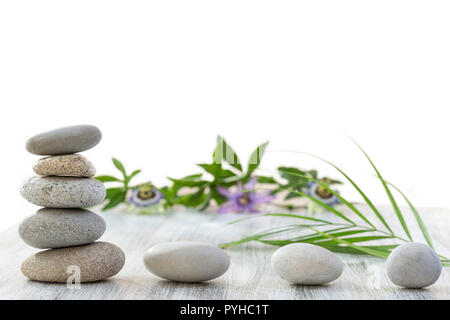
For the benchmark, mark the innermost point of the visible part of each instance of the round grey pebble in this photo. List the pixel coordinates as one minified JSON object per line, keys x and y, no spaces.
{"x":64,"y":140}
{"x":63,"y":192}
{"x":186,"y":261}
{"x":91,"y":262}
{"x":307,"y":264}
{"x":413,"y":265}
{"x":57,"y":228}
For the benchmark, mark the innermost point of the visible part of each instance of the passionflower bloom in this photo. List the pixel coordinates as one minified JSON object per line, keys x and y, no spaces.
{"x":319,"y":192}
{"x":145,"y":199}
{"x":245,"y":198}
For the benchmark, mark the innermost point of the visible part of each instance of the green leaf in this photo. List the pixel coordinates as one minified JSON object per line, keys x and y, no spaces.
{"x":115,"y":200}
{"x":225,"y":152}
{"x":315,"y":238}
{"x":224,"y":174}
{"x":134,"y":173}
{"x":400,"y":217}
{"x":170,"y":194}
{"x":261,"y":235}
{"x":192,"y":200}
{"x":212,"y":168}
{"x":293,"y":175}
{"x":217,"y":171}
{"x":335,"y":232}
{"x":268,"y":180}
{"x":292,"y":195}
{"x":340,"y":249}
{"x":374,"y":252}
{"x":289,"y":215}
{"x":192,"y":177}
{"x":314,"y":174}
{"x":363,"y":195}
{"x":334,"y":246}
{"x":206,"y":203}
{"x":131,"y":176}
{"x":365,"y":239}
{"x":111,"y":192}
{"x":190,"y":181}
{"x":230,"y":181}
{"x":256,"y":157}
{"x":324,"y":205}
{"x":419,"y":220}
{"x":348,"y":250}
{"x":120,"y":167}
{"x":107,"y":179}
{"x":297,"y":217}
{"x":342,"y":199}
{"x":218,"y":198}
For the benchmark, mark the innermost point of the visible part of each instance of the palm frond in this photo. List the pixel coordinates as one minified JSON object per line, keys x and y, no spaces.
{"x":345,"y":236}
{"x":400,"y":217}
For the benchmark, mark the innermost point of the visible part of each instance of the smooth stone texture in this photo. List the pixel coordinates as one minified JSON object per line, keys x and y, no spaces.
{"x":186,"y":261}
{"x":63,"y":192}
{"x":69,"y":165}
{"x":303,"y":263}
{"x":97,"y":261}
{"x":413,"y":265}
{"x":57,"y":228}
{"x":64,"y":140}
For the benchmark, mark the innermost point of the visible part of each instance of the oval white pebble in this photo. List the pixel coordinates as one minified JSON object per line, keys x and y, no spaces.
{"x":303,"y":263}
{"x":186,"y":261}
{"x":413,"y":265}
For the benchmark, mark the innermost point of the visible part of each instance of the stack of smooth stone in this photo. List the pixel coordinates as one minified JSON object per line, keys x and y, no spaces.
{"x":64,"y":186}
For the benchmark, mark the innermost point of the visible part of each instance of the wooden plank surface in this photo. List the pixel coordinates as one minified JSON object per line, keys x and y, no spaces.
{"x":249,"y":277}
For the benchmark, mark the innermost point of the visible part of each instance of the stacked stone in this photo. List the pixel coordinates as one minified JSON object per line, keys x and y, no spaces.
{"x":64,"y":187}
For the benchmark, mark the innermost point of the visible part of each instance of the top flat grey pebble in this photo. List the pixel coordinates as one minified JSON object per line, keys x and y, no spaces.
{"x":64,"y":140}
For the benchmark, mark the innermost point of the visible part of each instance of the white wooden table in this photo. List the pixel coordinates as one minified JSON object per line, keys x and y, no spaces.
{"x":249,"y":277}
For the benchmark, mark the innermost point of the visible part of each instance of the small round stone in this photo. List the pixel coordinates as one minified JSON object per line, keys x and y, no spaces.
{"x":91,"y":262}
{"x":57,"y":228}
{"x":69,"y":165}
{"x":413,"y":265}
{"x":63,"y":192}
{"x":303,"y":263}
{"x":186,"y":261}
{"x":64,"y":140}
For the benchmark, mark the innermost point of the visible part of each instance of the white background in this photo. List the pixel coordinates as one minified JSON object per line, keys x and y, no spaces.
{"x":163,"y":78}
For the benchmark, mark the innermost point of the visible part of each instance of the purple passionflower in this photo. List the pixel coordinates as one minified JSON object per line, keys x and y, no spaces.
{"x":245,"y":198}
{"x":317,"y":191}
{"x":145,"y":195}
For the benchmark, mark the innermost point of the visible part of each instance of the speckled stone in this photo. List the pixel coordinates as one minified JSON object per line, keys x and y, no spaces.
{"x":96,"y":261}
{"x":307,"y":264}
{"x":64,"y":140}
{"x":186,"y":261}
{"x":413,"y":265}
{"x":69,"y":165}
{"x":57,"y":228}
{"x":63,"y":192}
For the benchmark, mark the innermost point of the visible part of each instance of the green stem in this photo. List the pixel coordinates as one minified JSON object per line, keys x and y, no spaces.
{"x":251,"y":238}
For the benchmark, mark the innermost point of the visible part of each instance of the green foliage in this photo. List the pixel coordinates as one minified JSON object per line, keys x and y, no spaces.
{"x":116,"y":195}
{"x":256,"y":157}
{"x":225,"y":170}
{"x":340,"y":236}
